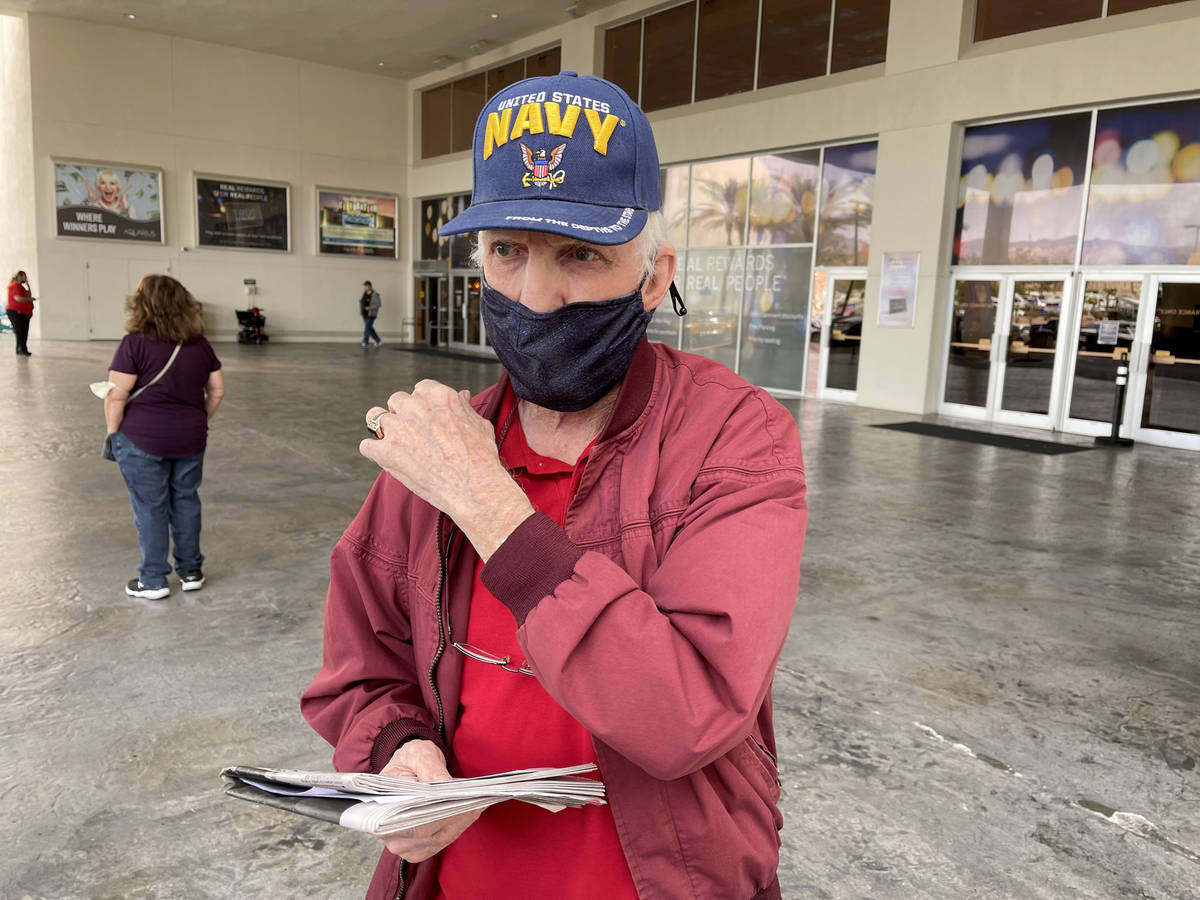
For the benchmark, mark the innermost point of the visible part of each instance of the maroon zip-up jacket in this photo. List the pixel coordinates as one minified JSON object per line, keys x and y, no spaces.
{"x":655,"y":618}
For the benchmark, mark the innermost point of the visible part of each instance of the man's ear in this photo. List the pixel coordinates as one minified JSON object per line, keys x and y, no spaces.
{"x":656,"y":286}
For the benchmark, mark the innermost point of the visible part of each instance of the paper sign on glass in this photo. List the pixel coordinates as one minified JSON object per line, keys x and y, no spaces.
{"x":898,"y":289}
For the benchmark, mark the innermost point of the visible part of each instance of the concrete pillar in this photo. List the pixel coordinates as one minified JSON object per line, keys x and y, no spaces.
{"x":926,"y":33}
{"x":18,"y":235}
{"x":915,"y":191}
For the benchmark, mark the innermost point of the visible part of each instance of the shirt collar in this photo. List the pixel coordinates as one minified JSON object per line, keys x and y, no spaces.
{"x":515,"y":452}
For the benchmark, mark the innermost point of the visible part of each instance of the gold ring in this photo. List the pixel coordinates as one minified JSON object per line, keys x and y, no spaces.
{"x":374,"y":424}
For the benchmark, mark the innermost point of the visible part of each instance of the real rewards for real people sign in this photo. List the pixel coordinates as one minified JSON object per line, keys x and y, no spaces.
{"x":250,"y":215}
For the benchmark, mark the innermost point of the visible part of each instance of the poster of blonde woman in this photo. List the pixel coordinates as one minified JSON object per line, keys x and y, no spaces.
{"x":109,"y":202}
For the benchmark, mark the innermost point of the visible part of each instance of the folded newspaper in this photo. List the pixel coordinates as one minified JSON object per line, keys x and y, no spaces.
{"x":384,"y":804}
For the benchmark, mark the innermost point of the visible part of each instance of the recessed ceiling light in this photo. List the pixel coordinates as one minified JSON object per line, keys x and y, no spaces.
{"x":495,"y":15}
{"x":130,"y":16}
{"x":381,"y":62}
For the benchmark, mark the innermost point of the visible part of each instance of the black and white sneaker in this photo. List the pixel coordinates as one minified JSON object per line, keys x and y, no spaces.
{"x":135,"y":588}
{"x":192,"y":581}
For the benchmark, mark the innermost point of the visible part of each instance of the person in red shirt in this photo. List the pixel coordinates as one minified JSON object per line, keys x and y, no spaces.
{"x":20,"y":310}
{"x":594,"y":560}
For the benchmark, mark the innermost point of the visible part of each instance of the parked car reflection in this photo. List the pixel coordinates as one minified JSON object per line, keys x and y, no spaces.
{"x":708,"y":329}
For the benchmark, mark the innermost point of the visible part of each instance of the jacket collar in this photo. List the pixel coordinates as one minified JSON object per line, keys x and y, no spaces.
{"x":632,"y":396}
{"x":634,"y":393}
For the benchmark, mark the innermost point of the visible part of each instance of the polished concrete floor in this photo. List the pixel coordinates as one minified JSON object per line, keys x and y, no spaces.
{"x":991,"y":687}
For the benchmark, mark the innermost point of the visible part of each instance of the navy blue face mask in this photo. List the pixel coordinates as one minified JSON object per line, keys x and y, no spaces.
{"x":568,"y":358}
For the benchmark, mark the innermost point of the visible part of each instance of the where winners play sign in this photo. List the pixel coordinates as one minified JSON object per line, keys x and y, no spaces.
{"x":110,"y":202}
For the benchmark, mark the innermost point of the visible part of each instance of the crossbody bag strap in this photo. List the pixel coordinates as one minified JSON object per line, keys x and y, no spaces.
{"x":161,"y":373}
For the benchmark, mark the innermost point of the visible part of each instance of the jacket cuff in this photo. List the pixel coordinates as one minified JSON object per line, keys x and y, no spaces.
{"x":394,"y":735}
{"x":530,"y":565}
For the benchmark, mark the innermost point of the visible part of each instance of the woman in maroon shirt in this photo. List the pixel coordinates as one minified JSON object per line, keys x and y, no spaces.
{"x":159,"y":439}
{"x":20,"y":310}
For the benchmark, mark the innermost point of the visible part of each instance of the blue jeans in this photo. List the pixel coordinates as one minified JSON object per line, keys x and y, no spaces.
{"x":166,"y":504}
{"x":369,"y":330}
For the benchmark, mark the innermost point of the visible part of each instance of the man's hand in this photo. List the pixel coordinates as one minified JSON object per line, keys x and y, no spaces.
{"x":444,"y":452}
{"x":423,"y":761}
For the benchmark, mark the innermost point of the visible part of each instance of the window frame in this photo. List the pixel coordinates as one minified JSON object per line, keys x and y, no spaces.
{"x":419,"y":142}
{"x":620,"y":23}
{"x":1104,"y":14}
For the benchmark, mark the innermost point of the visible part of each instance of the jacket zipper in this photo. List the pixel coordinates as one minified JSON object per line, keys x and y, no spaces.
{"x":443,"y":568}
{"x":442,"y":615}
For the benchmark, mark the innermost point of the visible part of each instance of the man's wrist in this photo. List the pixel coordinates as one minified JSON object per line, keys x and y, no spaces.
{"x":395,"y":735}
{"x":494,"y":529}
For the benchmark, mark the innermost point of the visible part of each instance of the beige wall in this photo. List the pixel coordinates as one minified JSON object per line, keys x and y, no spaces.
{"x":186,"y":106}
{"x":935,"y":80}
{"x":18,"y":242}
{"x":115,"y":95}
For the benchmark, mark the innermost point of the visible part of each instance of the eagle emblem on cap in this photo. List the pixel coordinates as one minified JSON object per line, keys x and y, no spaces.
{"x":541,"y":168}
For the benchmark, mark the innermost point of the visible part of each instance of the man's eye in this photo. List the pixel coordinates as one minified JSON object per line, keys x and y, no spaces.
{"x":504,"y":251}
{"x":584,"y":254}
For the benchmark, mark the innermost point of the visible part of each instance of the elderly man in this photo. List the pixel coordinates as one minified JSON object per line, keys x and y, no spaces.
{"x":596,"y":559}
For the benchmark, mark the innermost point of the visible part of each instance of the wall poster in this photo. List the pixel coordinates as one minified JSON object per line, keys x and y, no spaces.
{"x":353,"y":223}
{"x":250,"y":215}
{"x":898,"y":289}
{"x":113,"y":202}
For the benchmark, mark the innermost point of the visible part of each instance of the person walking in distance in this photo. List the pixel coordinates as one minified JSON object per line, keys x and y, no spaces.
{"x":368,"y":306}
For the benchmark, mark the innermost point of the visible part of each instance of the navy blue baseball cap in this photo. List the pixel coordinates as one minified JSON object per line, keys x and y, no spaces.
{"x":567,"y":154}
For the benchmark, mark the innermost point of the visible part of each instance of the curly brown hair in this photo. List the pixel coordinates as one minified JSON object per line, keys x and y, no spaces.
{"x":162,"y":309}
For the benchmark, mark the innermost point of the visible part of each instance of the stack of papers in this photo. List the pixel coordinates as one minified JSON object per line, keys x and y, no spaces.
{"x":384,"y":804}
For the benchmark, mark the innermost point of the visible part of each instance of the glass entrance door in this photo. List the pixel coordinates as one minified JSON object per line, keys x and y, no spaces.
{"x":1044,"y":349}
{"x":441,"y":316}
{"x":430,"y":322}
{"x":467,"y":331}
{"x":1029,"y":363}
{"x":1105,"y":336}
{"x":841,"y":324}
{"x":458,"y":311}
{"x":473,"y":313}
{"x":969,"y":384}
{"x":1002,"y":359}
{"x":1167,"y":368}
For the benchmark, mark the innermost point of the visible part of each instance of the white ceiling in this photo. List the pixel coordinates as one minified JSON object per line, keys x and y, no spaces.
{"x":355,"y":34}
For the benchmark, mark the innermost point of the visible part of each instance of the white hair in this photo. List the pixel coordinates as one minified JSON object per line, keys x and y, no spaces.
{"x":649,"y":241}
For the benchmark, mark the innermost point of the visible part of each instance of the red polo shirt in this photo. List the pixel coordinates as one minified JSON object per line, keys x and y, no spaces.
{"x":507,"y":721}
